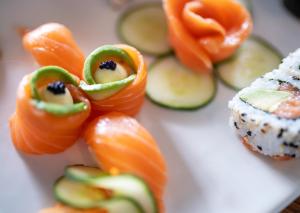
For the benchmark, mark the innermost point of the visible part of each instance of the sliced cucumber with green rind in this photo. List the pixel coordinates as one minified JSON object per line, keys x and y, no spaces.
{"x":76,"y":194}
{"x":171,"y":84}
{"x":145,"y":27}
{"x":253,"y":59}
{"x":82,"y":196}
{"x":119,"y":204}
{"x":81,"y":172}
{"x":121,"y":185}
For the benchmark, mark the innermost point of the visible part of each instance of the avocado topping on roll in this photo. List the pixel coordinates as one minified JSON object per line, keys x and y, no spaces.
{"x":107,"y":70}
{"x":52,"y":91}
{"x":283,"y":102}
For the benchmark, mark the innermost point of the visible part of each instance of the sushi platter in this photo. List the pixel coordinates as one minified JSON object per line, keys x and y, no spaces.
{"x":130,"y":106}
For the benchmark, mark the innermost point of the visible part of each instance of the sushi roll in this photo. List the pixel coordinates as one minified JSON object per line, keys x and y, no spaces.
{"x":115,"y":80}
{"x":50,"y":112}
{"x":266,"y":114}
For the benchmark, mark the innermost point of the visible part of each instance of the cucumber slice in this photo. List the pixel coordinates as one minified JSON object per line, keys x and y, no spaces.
{"x":121,"y":204}
{"x":79,"y":195}
{"x":76,"y":194}
{"x":82,"y":173}
{"x":253,"y":59}
{"x":121,"y":185}
{"x":145,"y":28}
{"x":171,"y":84}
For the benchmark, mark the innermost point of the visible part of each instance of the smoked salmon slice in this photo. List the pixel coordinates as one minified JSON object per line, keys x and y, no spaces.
{"x":53,"y":44}
{"x":120,"y":143}
{"x":203,"y":32}
{"x":36,"y":131}
{"x":130,"y":99}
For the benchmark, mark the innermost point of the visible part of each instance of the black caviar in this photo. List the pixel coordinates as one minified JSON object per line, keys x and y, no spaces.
{"x":110,"y":65}
{"x":292,"y":145}
{"x":57,"y":87}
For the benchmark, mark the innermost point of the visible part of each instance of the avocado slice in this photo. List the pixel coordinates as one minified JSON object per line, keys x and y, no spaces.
{"x":50,"y":72}
{"x":102,"y":91}
{"x":58,"y":109}
{"x":57,"y":73}
{"x":265,"y":99}
{"x":103,"y":52}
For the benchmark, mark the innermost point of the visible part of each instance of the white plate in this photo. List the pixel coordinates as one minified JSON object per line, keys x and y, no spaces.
{"x":209,"y":169}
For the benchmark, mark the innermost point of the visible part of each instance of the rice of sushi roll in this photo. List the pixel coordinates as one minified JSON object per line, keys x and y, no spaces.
{"x":266,"y":115}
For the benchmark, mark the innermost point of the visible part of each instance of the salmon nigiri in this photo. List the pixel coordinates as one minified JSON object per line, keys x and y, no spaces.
{"x":115,"y":79}
{"x":121,"y":144}
{"x":203,"y":32}
{"x":50,"y":112}
{"x":53,"y":44}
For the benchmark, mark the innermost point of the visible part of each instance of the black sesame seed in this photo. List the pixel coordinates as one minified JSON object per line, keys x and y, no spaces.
{"x":110,"y":65}
{"x":236,"y":126}
{"x":290,"y":155}
{"x":243,"y":114}
{"x":285,"y":143}
{"x":243,"y":120}
{"x":294,"y":145}
{"x":57,"y":87}
{"x":296,"y":78}
{"x":249,"y":133}
{"x":259,"y":147}
{"x":280,"y":81}
{"x":280,"y":133}
{"x":266,"y":124}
